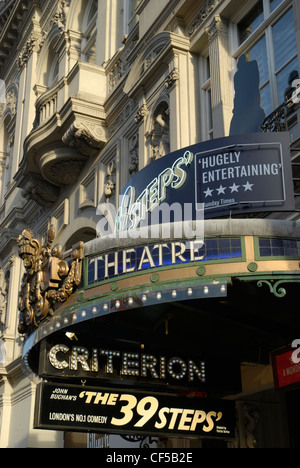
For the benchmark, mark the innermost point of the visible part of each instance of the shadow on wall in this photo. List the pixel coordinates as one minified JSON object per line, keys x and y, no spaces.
{"x":247,"y":113}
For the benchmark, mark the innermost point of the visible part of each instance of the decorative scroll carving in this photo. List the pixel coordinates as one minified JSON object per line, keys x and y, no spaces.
{"x":208,"y":7}
{"x":85,"y":135}
{"x":275,"y":288}
{"x":276,"y":121}
{"x":48,"y":278}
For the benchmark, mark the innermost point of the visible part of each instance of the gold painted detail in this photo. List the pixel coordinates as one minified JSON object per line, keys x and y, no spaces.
{"x":48,"y":278}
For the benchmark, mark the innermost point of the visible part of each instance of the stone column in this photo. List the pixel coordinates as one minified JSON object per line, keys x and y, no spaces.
{"x":140,"y":120}
{"x":221,"y":76}
{"x":109,"y":29}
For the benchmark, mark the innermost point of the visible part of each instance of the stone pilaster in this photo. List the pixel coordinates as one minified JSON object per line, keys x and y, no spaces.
{"x":221,"y":79}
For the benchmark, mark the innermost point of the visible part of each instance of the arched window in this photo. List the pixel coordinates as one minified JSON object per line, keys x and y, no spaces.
{"x":89,"y":31}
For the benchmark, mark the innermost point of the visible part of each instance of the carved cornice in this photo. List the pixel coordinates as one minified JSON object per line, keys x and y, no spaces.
{"x":12,"y":35}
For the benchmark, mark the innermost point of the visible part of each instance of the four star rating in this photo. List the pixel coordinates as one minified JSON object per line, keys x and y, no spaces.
{"x":233,"y":188}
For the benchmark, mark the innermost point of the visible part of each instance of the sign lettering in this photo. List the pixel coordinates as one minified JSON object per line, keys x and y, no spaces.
{"x":135,"y":259}
{"x":133,"y":210}
{"x":79,"y":361}
{"x":64,"y":407}
{"x":227,"y":178}
{"x":241,"y":173}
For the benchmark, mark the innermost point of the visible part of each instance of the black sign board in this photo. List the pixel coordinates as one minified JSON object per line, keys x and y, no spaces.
{"x":249,"y":175}
{"x":115,"y":365}
{"x":79,"y":408}
{"x":237,"y":174}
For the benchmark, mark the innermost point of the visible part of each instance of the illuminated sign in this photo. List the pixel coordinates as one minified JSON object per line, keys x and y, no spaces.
{"x":64,"y":361}
{"x":286,"y":370}
{"x":135,"y":259}
{"x":133,"y":210}
{"x":74,"y":408}
{"x":241,"y":173}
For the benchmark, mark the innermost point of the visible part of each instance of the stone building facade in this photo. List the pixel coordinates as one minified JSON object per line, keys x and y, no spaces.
{"x":92,"y":92}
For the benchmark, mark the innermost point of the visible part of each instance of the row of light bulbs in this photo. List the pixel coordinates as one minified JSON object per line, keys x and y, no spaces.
{"x":159,"y":295}
{"x":106,"y":306}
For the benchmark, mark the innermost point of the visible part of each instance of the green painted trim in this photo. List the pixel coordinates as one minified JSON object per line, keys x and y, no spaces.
{"x":150,"y":287}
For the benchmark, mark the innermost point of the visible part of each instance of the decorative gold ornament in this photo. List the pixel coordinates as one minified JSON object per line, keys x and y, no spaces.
{"x":48,"y":279}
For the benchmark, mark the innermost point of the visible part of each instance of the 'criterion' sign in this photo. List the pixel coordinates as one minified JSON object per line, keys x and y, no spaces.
{"x":67,"y":407}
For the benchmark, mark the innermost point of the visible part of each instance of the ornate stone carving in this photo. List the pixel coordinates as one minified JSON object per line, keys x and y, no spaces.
{"x":171,"y":79}
{"x":134,"y":156}
{"x":48,"y":278}
{"x":85,"y":135}
{"x":141,"y":114}
{"x":11,"y":101}
{"x":217,"y":28}
{"x":44,"y":193}
{"x":251,"y":419}
{"x":25,"y":53}
{"x":3,"y":292}
{"x":109,"y":188}
{"x":61,"y":14}
{"x":160,"y":134}
{"x":208,"y":7}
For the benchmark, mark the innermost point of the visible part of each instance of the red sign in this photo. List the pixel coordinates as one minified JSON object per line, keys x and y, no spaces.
{"x":286,"y":372}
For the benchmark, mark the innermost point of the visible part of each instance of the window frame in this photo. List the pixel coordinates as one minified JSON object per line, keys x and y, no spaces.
{"x":89,"y":34}
{"x":207,"y":126}
{"x":264,"y":30}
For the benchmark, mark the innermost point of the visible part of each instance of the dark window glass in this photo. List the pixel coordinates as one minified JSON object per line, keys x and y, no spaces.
{"x":274,"y":4}
{"x":251,"y":21}
{"x":279,"y":248}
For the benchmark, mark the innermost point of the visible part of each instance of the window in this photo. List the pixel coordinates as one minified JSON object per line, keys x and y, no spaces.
{"x":89,"y":28}
{"x":251,"y":22}
{"x":53,"y":72}
{"x":206,"y":105}
{"x":129,"y":14}
{"x":273,"y":47}
{"x":279,"y":247}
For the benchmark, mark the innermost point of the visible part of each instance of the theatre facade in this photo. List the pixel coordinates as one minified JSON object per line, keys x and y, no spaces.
{"x":150,"y":239}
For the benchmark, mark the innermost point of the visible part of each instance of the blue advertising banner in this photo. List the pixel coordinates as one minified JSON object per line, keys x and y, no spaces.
{"x":234,"y":175}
